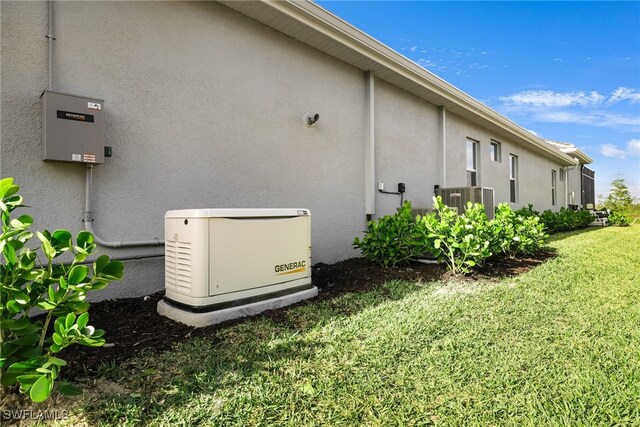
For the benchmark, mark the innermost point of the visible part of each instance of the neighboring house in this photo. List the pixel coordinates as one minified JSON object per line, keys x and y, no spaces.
{"x":204,"y":106}
{"x":580,"y":182}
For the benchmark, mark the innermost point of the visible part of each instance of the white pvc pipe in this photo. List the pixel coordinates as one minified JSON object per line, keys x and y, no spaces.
{"x":88,"y":220}
{"x":442,"y":118}
{"x":369,"y":151}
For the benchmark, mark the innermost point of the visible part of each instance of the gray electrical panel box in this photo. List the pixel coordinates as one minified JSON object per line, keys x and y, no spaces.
{"x":73,"y":128}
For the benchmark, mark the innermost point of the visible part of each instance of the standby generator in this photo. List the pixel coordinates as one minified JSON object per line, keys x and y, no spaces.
{"x":225,"y":263}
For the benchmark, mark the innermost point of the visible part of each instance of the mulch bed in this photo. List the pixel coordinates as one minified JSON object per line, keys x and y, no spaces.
{"x":133,"y":325}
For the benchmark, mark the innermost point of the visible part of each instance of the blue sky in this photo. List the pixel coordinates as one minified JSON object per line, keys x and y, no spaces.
{"x":569,"y":71}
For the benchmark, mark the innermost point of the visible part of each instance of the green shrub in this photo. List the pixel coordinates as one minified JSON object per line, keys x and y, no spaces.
{"x":550,"y":221}
{"x":461,"y":241}
{"x":573,"y":220}
{"x":530,"y":235}
{"x":390,"y":240}
{"x":526,"y":212}
{"x":27,"y":346}
{"x":619,"y":219}
{"x":585,"y":218}
{"x":632,"y":212}
{"x":565,"y":219}
{"x":515,"y":234}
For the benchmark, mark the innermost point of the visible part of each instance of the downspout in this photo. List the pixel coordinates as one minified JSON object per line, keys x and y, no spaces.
{"x":442,"y":119}
{"x":369,"y":151}
{"x":582,"y":204}
{"x":566,"y":187}
{"x":88,"y":220}
{"x":50,"y":39}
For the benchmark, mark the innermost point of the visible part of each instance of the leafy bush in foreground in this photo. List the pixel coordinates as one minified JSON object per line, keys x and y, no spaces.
{"x":390,"y":240}
{"x":27,"y":347}
{"x":461,"y":241}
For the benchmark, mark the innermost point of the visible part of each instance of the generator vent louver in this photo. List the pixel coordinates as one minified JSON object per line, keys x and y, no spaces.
{"x":178,"y":264}
{"x":457,"y":197}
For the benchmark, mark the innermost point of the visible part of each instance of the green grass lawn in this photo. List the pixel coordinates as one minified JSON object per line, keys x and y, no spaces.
{"x":559,"y":345}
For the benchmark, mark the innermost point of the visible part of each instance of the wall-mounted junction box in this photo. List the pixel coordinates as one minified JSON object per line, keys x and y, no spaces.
{"x":73,"y":128}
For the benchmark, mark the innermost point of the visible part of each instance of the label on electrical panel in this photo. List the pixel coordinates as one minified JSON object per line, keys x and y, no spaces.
{"x":76,"y":157}
{"x":80,"y":117}
{"x":89,"y":158}
{"x":94,"y":106}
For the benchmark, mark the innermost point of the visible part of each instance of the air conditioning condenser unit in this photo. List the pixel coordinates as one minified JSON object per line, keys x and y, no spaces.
{"x":227,"y":263}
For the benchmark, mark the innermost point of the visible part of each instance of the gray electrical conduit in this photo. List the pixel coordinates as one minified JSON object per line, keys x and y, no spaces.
{"x":88,"y":220}
{"x":50,"y":39}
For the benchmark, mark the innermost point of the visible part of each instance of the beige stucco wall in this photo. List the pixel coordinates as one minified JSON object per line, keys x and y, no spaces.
{"x":406,"y":134}
{"x":534,"y":175}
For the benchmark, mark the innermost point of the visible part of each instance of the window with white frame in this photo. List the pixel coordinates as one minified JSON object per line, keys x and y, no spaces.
{"x":561,"y":175}
{"x":472,"y":162}
{"x":553,"y":187}
{"x":494,"y":151}
{"x":513,"y":178}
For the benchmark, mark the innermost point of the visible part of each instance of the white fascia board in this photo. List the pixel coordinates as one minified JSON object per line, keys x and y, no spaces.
{"x":582,"y":156}
{"x":318,"y":19}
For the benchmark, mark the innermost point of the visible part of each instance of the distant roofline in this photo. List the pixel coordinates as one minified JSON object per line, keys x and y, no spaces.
{"x":315,"y":26}
{"x":571,"y":149}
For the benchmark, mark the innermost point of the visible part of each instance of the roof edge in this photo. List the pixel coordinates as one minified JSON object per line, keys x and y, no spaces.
{"x":571,"y":149}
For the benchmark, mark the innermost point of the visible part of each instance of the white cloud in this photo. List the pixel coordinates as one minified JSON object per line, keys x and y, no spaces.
{"x":548,"y":98}
{"x":633,"y":147}
{"x":427,"y":63}
{"x":612,"y":150}
{"x":476,"y":66}
{"x":533,"y":132}
{"x":591,"y":118}
{"x":448,"y":61}
{"x":579,"y":107}
{"x":624,"y":93}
